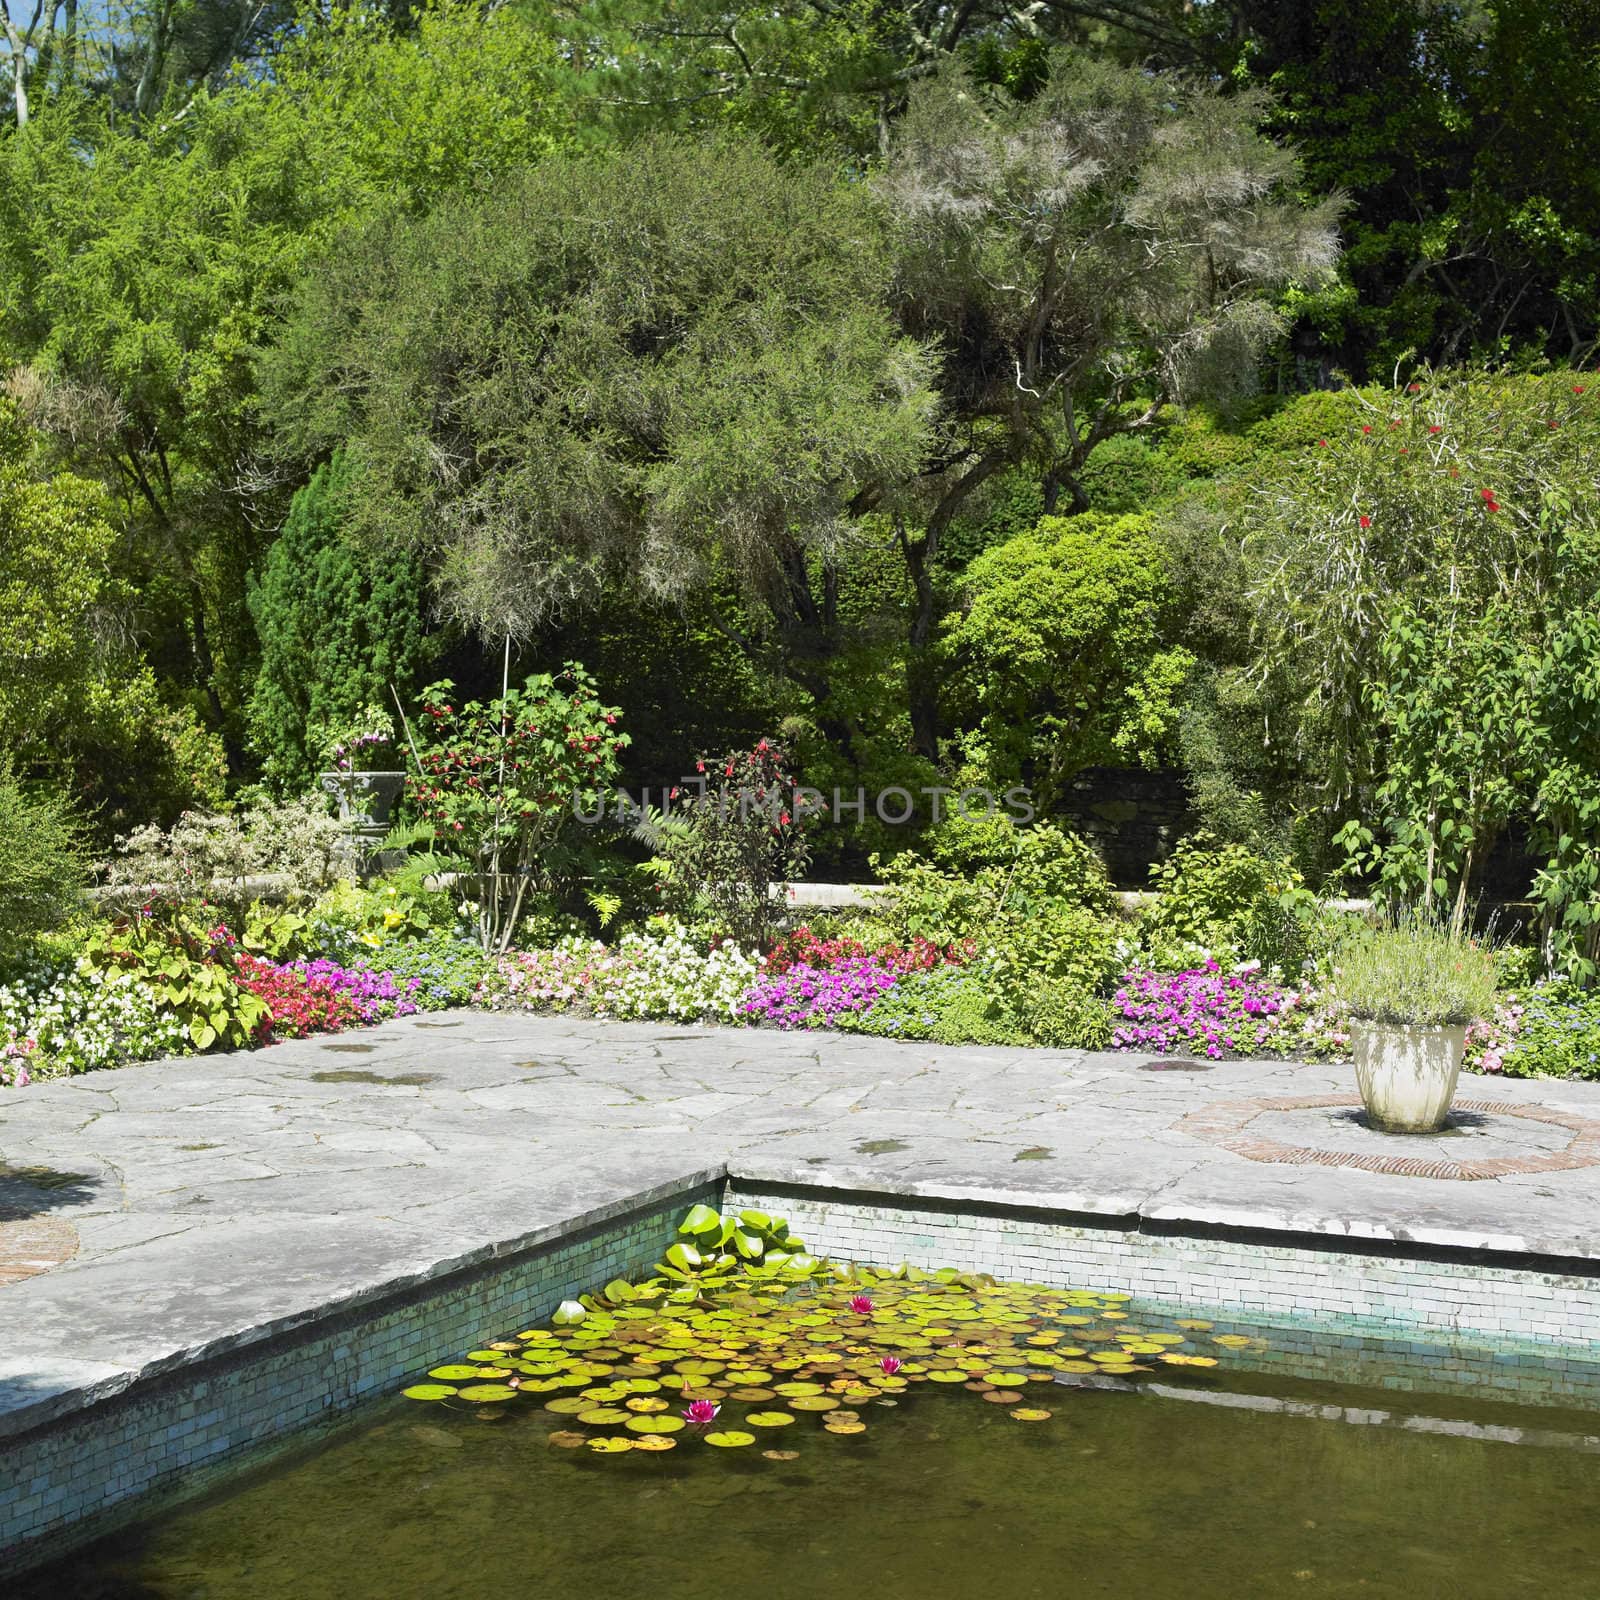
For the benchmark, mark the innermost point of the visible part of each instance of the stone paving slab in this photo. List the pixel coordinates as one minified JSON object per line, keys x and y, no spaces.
{"x":221,"y":1199}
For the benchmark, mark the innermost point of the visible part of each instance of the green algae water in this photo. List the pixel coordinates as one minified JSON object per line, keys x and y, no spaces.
{"x":759,"y":1422}
{"x":1120,"y":1494}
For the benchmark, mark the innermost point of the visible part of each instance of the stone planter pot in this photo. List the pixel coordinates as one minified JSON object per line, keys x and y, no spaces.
{"x":366,"y":799}
{"x":1407,"y":1076}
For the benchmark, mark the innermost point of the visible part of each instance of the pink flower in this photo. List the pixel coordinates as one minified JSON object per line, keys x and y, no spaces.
{"x":701,"y":1412}
{"x":862,"y":1304}
{"x":890,"y":1365}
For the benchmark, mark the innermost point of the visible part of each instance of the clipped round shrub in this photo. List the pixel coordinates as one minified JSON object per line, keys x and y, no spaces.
{"x":1123,"y":473}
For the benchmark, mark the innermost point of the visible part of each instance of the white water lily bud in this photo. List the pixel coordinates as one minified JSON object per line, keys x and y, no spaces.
{"x":568,"y":1314}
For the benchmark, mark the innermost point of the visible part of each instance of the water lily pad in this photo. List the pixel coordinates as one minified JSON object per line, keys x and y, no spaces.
{"x":844,"y":1427}
{"x":457,"y":1373}
{"x":798,"y":1388}
{"x":653,"y":1424}
{"x":730,"y":1439}
{"x":1198,"y":1327}
{"x":812,"y":1402}
{"x":701,"y":1219}
{"x":644,"y":1404}
{"x":429,"y":1391}
{"x":610,"y":1445}
{"x":1031,"y":1414}
{"x":1003,"y":1397}
{"x":752,"y":1396}
{"x":568,"y":1405}
{"x":748,"y":1375}
{"x":769,"y":1419}
{"x":781,"y":1455}
{"x":1233,"y":1341}
{"x":956,"y":1376}
{"x":655,"y":1441}
{"x":602,"y":1416}
{"x":484,"y":1393}
{"x":1005,"y":1380}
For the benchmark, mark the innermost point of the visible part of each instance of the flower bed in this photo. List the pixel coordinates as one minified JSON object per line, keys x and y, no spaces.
{"x":1211,"y":1012}
{"x":1551,"y":1031}
{"x":806,"y":996}
{"x":640,"y":976}
{"x":297,"y":1004}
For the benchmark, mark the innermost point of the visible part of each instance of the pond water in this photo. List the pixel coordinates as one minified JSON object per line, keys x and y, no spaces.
{"x":1002,"y":1458}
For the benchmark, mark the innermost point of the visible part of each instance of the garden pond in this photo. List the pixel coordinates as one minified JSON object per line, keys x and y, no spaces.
{"x":753,"y":1421}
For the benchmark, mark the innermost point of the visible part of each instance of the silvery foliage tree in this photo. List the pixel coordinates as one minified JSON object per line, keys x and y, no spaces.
{"x":670,"y":366}
{"x":1082,"y":260}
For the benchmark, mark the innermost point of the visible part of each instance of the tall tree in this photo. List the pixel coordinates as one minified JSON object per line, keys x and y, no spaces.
{"x":658,"y":367}
{"x":137,"y":283}
{"x":1082,"y":260}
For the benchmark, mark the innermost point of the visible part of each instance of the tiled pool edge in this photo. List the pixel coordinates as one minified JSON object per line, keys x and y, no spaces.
{"x":173,"y":1435}
{"x":1444,"y":1320}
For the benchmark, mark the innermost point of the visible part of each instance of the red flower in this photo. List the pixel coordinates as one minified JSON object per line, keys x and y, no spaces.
{"x":1433,"y":427}
{"x":862,"y":1305}
{"x":784,"y":818}
{"x":1413,"y":388}
{"x":890,"y":1365}
{"x":1394,"y":422}
{"x":1366,"y":522}
{"x":1366,"y":427}
{"x":1322,"y":444}
{"x":1577,"y":388}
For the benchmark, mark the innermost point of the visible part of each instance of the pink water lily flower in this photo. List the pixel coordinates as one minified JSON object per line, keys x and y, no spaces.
{"x":701,"y":1411}
{"x":890,"y":1365}
{"x":863,"y":1304}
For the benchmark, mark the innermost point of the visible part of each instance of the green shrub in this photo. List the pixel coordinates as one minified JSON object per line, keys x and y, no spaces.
{"x":1060,"y":650}
{"x":1050,"y":963}
{"x":1125,"y":474}
{"x":352,"y":920}
{"x":1226,"y":896}
{"x":337,"y":629}
{"x":43,"y":864}
{"x":985,"y":869}
{"x":204,"y":852}
{"x":945,"y":1005}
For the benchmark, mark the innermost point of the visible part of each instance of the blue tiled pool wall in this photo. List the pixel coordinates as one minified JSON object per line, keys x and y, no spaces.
{"x":74,"y":1479}
{"x":1424,"y":1325}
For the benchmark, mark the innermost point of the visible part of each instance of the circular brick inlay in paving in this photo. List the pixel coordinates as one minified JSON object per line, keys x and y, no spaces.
{"x":1483,"y":1138}
{"x":30,"y":1245}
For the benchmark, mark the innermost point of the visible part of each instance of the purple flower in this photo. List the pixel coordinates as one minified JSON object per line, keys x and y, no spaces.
{"x":811,"y":997}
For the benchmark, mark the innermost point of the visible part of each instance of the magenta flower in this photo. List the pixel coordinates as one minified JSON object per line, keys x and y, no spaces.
{"x":862,"y":1304}
{"x":701,"y":1412}
{"x":890,"y":1365}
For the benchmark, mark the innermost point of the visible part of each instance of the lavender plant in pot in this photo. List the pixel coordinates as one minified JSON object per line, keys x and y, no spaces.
{"x":1411,"y":989}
